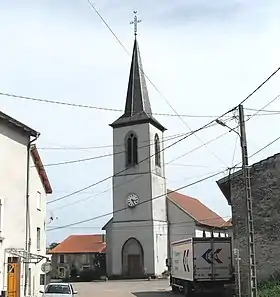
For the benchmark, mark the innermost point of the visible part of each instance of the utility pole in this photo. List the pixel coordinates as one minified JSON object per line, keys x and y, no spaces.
{"x":237,"y":258}
{"x":248,"y":196}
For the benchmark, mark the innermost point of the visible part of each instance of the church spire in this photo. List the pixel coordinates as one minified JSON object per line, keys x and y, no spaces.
{"x":137,"y":98}
{"x":137,"y":107}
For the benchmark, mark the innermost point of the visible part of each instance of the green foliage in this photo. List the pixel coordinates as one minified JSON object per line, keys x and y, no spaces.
{"x":53,"y":245}
{"x":270,"y":289}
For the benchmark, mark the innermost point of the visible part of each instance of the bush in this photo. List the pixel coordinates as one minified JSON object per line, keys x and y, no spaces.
{"x":270,"y":289}
{"x":87,"y":275}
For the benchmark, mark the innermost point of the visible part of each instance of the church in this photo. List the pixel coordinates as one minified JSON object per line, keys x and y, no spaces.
{"x":147,"y":217}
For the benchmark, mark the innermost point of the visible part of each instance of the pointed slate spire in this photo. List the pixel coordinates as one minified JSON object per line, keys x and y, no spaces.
{"x":137,"y":107}
{"x":137,"y":98}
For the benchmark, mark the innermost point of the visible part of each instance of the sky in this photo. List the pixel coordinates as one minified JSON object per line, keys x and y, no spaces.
{"x":203,"y":56}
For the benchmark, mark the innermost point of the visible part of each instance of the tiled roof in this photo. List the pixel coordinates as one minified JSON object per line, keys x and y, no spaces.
{"x":228,"y":223}
{"x":197,"y":210}
{"x":80,"y":244}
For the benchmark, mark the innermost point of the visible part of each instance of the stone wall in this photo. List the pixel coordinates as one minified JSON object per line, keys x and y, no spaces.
{"x":265,"y":186}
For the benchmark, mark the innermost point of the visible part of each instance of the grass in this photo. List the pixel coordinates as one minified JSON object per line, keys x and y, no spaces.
{"x":270,"y":289}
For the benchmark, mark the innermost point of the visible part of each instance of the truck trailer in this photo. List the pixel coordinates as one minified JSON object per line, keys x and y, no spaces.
{"x":202,"y":265}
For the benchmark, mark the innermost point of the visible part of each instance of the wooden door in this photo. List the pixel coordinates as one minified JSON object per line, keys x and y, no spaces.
{"x":134,"y":265}
{"x":13,"y":277}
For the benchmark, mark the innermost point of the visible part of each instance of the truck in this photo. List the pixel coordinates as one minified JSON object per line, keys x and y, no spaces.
{"x":202,"y":265}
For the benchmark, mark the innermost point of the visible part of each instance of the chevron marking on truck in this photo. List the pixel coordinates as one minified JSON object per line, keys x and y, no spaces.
{"x":209,"y":256}
{"x":186,"y":261}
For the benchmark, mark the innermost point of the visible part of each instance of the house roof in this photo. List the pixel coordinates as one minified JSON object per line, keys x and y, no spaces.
{"x":80,"y":244}
{"x":197,"y":210}
{"x":40,"y":169}
{"x":137,"y":107}
{"x":18,"y":125}
{"x":228,"y":223}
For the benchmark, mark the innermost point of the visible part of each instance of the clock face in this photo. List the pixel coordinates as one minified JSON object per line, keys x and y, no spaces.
{"x":132,"y":200}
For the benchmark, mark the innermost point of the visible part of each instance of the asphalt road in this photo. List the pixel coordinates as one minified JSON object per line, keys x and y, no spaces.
{"x":153,"y":288}
{"x":132,"y":288}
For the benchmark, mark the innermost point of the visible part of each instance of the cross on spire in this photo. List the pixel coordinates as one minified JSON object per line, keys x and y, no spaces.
{"x":135,"y":22}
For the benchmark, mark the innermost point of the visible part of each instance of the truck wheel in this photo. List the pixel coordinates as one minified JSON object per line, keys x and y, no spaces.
{"x":175,"y":289}
{"x":187,"y":290}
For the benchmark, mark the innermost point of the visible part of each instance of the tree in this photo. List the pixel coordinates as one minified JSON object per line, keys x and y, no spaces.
{"x":53,"y":245}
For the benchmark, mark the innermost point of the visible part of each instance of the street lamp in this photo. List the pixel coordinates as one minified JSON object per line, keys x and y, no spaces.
{"x":221,"y":123}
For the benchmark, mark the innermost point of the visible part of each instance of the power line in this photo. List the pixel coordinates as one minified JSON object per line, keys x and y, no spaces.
{"x":107,"y":25}
{"x":95,"y":107}
{"x":106,"y":155}
{"x":122,"y":209}
{"x":264,"y":110}
{"x":184,"y":223}
{"x":111,"y":154}
{"x":119,"y":185}
{"x":149,"y":157}
{"x":108,"y":145}
{"x":118,"y":110}
{"x":269,"y":144}
{"x":216,"y":138}
{"x":151,"y":141}
{"x":174,"y":143}
{"x":270,"y":102}
{"x":107,"y":178}
{"x":58,"y":102}
{"x":165,"y":99}
{"x":196,"y":148}
{"x":96,"y":194}
{"x":159,"y":196}
{"x":175,"y":136}
{"x":155,"y":87}
{"x":260,"y":86}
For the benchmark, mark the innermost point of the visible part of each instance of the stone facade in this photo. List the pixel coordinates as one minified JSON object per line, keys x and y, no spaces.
{"x":265,"y":187}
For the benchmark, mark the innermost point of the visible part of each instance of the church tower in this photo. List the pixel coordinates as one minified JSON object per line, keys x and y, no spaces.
{"x":137,"y":234}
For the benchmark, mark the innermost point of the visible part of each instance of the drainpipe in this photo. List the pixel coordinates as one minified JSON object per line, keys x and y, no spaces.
{"x":27,"y":217}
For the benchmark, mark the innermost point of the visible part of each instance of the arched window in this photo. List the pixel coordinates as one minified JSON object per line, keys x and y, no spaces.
{"x":131,"y":150}
{"x":157,"y":151}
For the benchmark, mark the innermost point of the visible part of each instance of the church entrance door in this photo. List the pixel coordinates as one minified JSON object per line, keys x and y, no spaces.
{"x":133,"y":259}
{"x":134,"y":265}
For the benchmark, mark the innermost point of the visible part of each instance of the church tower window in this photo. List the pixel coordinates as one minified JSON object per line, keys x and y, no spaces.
{"x":157,"y":151}
{"x":131,"y":150}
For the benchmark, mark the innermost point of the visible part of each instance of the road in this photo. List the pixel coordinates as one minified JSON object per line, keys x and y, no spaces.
{"x":132,"y":288}
{"x":153,"y":288}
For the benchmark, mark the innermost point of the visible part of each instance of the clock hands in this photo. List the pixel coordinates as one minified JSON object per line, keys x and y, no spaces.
{"x":132,"y":200}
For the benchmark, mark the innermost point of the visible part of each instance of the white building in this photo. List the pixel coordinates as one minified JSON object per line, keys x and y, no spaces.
{"x":147,"y":217}
{"x":24,"y":186}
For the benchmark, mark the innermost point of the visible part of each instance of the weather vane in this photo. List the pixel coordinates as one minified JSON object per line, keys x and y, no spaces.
{"x":135,"y":22}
